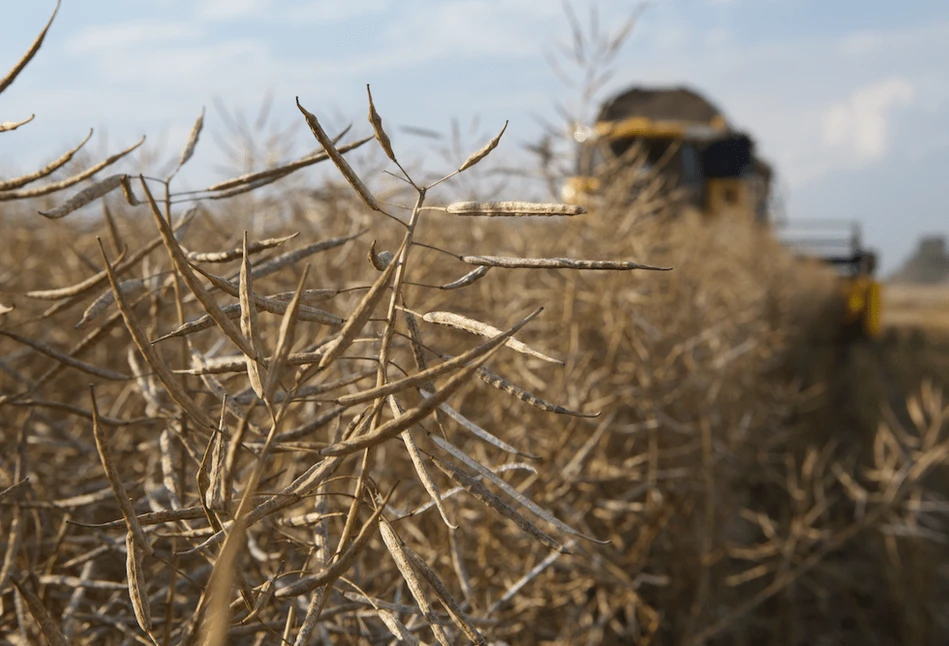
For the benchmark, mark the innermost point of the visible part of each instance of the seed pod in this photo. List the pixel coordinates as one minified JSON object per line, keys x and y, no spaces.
{"x":376,"y":122}
{"x":513,"y":209}
{"x":136,"y":581}
{"x":481,"y":154}
{"x":84,"y":197}
{"x":557,"y":263}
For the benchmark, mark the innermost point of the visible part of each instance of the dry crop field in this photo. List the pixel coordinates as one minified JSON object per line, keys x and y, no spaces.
{"x":359,"y":412}
{"x":921,"y":306}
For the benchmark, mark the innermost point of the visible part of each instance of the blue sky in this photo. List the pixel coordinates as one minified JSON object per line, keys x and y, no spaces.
{"x":849,"y":99}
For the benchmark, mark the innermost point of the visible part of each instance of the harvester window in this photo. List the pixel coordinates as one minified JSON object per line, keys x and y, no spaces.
{"x":728,"y":157}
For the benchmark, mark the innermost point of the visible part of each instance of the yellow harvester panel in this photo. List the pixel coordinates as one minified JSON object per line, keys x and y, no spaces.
{"x":863,"y":304}
{"x":727,"y":195}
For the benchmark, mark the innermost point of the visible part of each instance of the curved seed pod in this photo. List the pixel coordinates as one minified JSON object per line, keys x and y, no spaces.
{"x":268,"y":305}
{"x":477,"y":431}
{"x":237,"y":252}
{"x":513,"y":209}
{"x":396,"y":549}
{"x":420,"y":469}
{"x":481,"y":154}
{"x":30,"y":53}
{"x":514,"y":390}
{"x":23,"y":180}
{"x":379,"y":260}
{"x":308,"y":297}
{"x":167,"y":377}
{"x":84,"y":197}
{"x":66,"y":359}
{"x":422,"y":378}
{"x":485,"y":495}
{"x":285,"y":338}
{"x":262,"y":178}
{"x":136,"y":582}
{"x":557,"y":263}
{"x":523,"y":500}
{"x":7,"y":126}
{"x":131,"y":288}
{"x":376,"y":122}
{"x":445,"y":597}
{"x":460,"y":322}
{"x":359,"y":317}
{"x":296,"y":255}
{"x":256,"y":369}
{"x":37,"y":608}
{"x":338,"y":159}
{"x":187,"y":275}
{"x":115,"y":481}
{"x":192,"y":142}
{"x":127,"y":192}
{"x":69,"y":181}
{"x":472,"y":276}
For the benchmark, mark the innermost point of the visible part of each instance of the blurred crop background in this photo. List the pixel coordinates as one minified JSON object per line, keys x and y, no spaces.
{"x":757,"y":482}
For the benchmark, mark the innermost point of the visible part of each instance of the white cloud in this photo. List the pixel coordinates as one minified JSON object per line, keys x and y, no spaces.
{"x":116,"y":36}
{"x":233,"y":9}
{"x":860,"y":123}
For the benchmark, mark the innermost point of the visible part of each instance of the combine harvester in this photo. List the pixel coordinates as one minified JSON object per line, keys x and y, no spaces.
{"x":686,"y":140}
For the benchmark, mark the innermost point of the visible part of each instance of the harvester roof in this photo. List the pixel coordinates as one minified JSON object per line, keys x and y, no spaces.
{"x":660,"y":104}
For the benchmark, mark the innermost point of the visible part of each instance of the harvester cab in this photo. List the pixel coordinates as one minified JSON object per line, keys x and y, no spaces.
{"x":839,"y":244}
{"x":683,"y":138}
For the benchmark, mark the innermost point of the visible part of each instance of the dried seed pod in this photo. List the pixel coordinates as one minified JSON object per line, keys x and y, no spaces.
{"x":460,"y":322}
{"x":514,"y":390}
{"x":256,"y":370}
{"x":296,"y":255}
{"x":37,"y":608}
{"x":481,"y":154}
{"x":376,"y":122}
{"x":523,"y":500}
{"x":379,"y":260}
{"x":251,"y":181}
{"x":474,"y":275}
{"x":513,"y":209}
{"x":65,"y":359}
{"x":7,"y":126}
{"x":129,"y":288}
{"x":237,"y":252}
{"x":30,"y":53}
{"x":84,"y":197}
{"x":396,"y":549}
{"x":420,"y":469}
{"x":136,"y":582}
{"x":482,"y":493}
{"x":115,"y":481}
{"x":557,"y":263}
{"x":445,"y":597}
{"x":191,"y":143}
{"x":23,"y":180}
{"x":128,"y":193}
{"x":69,"y":181}
{"x":338,"y":159}
{"x":167,"y":377}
